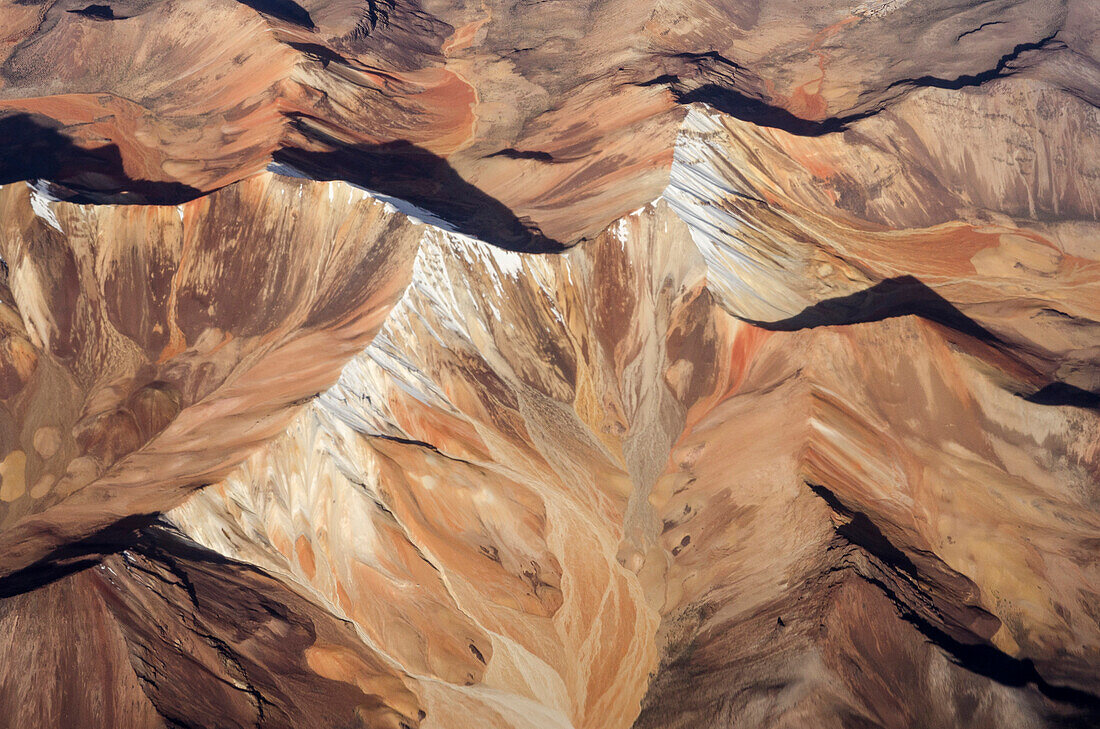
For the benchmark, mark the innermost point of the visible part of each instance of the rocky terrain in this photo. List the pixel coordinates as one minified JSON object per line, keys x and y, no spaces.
{"x":549,"y":365}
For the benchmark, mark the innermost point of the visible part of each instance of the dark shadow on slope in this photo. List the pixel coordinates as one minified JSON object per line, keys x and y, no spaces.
{"x":862,"y":532}
{"x":976,"y":655}
{"x":986,"y":660}
{"x":324,"y":54}
{"x":720,"y":93}
{"x":893,"y":297}
{"x":908,"y":296}
{"x":37,"y":149}
{"x":285,"y":10}
{"x":755,"y":111}
{"x":140,"y":533}
{"x":374,"y":13}
{"x":977,"y":79}
{"x":404,"y":171}
{"x":97,"y":12}
{"x":1060,"y":393}
{"x":71,"y":558}
{"x":537,"y":156}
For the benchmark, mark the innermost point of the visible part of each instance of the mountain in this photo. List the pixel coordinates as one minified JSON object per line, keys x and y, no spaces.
{"x":549,"y":365}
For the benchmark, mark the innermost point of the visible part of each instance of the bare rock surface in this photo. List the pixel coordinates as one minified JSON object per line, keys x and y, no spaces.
{"x":559,"y":365}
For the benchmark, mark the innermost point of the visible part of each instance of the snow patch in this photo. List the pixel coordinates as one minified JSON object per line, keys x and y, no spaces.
{"x":40,"y":204}
{"x":697,"y":193}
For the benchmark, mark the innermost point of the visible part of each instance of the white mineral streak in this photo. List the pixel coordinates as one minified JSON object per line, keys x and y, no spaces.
{"x":40,"y":204}
{"x":476,"y":494}
{"x":702,"y":194}
{"x":402,"y":439}
{"x":587,"y":662}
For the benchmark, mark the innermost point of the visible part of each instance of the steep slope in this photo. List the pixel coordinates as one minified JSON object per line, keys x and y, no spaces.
{"x":149,"y":349}
{"x":530,"y":128}
{"x":369,"y":364}
{"x":539,"y":501}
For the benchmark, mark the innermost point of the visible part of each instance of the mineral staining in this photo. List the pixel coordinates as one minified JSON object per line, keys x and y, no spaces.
{"x":591,"y":365}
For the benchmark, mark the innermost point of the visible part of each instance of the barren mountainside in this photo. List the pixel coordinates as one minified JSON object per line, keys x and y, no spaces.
{"x":573,"y":364}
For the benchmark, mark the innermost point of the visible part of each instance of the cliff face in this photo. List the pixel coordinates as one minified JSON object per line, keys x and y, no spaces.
{"x":579,"y":365}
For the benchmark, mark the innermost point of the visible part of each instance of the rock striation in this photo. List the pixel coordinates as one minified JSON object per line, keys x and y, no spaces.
{"x":571,"y":365}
